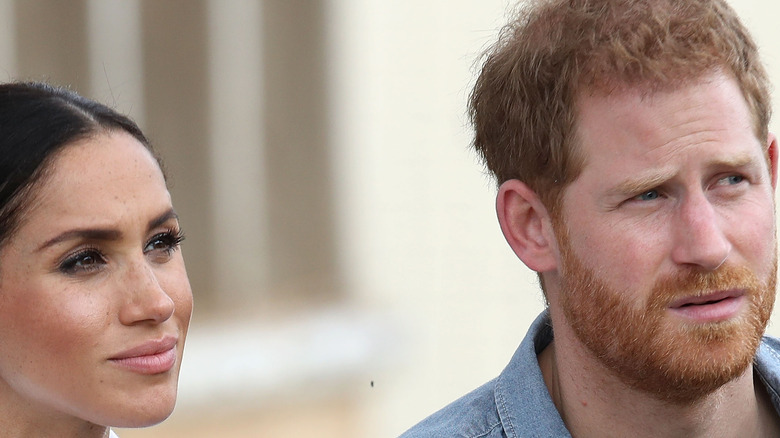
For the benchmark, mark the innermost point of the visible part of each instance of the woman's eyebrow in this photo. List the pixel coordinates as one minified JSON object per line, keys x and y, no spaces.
{"x":104,"y":234}
{"x":163,"y":218}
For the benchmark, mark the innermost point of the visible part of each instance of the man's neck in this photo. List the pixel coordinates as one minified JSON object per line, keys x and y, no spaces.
{"x":595,"y":403}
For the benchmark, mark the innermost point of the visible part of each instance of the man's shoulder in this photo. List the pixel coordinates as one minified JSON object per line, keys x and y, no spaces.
{"x":767,"y":366}
{"x":471,"y":416}
{"x":772,"y":344}
{"x":768,"y":356}
{"x":514,"y":404}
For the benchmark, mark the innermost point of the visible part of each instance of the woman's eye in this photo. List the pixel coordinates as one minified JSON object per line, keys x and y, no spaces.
{"x":164,"y":243}
{"x":648,"y":195}
{"x":85,"y":261}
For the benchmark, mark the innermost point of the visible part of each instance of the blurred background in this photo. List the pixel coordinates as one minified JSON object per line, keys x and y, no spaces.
{"x":349,"y":274}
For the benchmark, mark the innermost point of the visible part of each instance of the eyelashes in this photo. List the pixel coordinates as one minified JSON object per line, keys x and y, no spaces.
{"x":90,"y":259}
{"x":86,"y":260}
{"x":167,"y":242}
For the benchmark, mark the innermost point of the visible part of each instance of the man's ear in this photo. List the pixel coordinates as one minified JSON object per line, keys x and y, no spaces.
{"x":771,"y":151}
{"x":526,"y":225}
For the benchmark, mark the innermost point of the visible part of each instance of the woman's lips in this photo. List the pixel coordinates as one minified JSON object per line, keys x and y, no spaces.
{"x":715,"y":307}
{"x":151,"y":357}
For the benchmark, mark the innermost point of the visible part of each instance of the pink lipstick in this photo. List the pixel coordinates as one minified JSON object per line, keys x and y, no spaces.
{"x":151,"y":357}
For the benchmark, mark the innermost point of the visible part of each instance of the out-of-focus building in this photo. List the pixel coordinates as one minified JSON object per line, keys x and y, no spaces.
{"x":349,"y":274}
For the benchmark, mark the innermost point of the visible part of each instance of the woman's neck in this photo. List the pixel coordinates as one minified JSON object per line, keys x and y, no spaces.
{"x":24,"y":418}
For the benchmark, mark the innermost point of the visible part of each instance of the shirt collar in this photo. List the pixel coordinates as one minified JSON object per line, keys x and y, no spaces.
{"x":524,"y":404}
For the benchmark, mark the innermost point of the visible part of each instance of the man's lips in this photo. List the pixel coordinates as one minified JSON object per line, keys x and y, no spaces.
{"x":706,"y":299}
{"x":150,"y":357}
{"x":713,"y":307}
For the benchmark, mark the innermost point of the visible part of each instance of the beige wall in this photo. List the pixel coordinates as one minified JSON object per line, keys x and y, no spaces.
{"x":339,"y":230}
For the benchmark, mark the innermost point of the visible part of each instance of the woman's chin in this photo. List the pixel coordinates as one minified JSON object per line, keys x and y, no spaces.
{"x":142,"y":416}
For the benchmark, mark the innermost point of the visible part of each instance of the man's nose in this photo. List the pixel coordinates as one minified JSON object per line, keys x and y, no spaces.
{"x":699,"y":236}
{"x":145,"y":299}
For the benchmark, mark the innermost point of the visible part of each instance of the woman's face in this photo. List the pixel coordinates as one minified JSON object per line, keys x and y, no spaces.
{"x":94,"y":298}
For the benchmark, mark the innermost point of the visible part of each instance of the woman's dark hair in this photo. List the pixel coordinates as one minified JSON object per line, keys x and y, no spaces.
{"x":36,"y":121}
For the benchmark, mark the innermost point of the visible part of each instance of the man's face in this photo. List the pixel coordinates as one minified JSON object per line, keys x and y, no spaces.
{"x":667,"y":238}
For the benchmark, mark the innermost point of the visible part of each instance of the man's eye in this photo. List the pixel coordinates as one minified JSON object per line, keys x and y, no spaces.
{"x":648,"y":196}
{"x":732,"y":179}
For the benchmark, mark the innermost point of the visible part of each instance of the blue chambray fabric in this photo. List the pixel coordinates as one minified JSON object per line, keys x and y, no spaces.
{"x":516,"y":404}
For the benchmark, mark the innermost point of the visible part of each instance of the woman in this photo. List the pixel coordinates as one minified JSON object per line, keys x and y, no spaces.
{"x":94,"y":298}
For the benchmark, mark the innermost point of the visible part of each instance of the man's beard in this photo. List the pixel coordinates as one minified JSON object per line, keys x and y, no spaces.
{"x":650,"y":351}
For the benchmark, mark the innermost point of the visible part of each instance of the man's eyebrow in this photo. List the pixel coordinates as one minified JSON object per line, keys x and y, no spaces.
{"x":105,"y":234}
{"x":642,"y":183}
{"x":740,"y":160}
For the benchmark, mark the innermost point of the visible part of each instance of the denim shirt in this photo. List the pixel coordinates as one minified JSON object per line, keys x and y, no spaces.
{"x":516,"y":404}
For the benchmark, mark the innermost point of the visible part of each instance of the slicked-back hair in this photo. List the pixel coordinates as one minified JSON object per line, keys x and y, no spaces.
{"x":36,"y":121}
{"x":524,"y":103}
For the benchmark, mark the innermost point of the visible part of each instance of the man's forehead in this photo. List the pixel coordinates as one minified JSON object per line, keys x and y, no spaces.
{"x":648,"y":112}
{"x":642,"y":136}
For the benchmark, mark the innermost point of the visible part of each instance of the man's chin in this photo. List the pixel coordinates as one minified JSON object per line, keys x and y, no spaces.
{"x":699,"y":358}
{"x":669,"y":355}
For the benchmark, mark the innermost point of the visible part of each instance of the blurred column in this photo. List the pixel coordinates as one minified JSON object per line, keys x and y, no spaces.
{"x":52,"y":42}
{"x":115,"y":55}
{"x":302,"y":250}
{"x":236,"y":153}
{"x":176,"y":88}
{"x":7,"y":41}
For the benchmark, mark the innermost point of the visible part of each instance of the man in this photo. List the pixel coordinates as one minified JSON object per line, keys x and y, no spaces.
{"x":637,"y":176}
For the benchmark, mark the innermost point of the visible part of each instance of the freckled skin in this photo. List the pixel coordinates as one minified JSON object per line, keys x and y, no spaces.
{"x":675,"y":200}
{"x":681,"y":140}
{"x":58,"y":329}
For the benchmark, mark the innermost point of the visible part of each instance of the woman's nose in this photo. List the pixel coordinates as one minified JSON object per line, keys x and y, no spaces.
{"x":145,"y":299}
